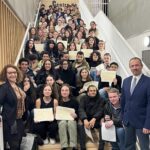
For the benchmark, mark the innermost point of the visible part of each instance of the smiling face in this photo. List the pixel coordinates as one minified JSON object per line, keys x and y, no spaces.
{"x":11,"y":74}
{"x":135,"y":66}
{"x":114,"y":98}
{"x":101,"y":45}
{"x":107,"y":59}
{"x":24,"y":66}
{"x":47,"y":65}
{"x":91,"y":41}
{"x":84,"y":74}
{"x":79,"y":58}
{"x":72,"y":47}
{"x":65,"y":92}
{"x":31,"y":44}
{"x":92,"y":91}
{"x":95,"y":57}
{"x":65,"y":65}
{"x":47,"y":91}
{"x":50,"y":80}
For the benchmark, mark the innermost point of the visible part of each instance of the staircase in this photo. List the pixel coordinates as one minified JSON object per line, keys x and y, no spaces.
{"x":89,"y":145}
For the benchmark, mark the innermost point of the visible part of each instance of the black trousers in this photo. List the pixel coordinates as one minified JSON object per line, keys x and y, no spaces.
{"x":82,"y":136}
{"x":44,"y":129}
{"x":13,"y":139}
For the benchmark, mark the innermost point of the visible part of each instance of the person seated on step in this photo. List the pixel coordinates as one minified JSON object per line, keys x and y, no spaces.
{"x":90,"y":113}
{"x":47,"y":130}
{"x":68,"y":128}
{"x":112,"y":116}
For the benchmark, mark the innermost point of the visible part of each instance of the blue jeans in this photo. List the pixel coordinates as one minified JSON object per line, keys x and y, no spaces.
{"x":120,"y":144}
{"x":130,"y":138}
{"x":103,"y":94}
{"x":94,"y":76}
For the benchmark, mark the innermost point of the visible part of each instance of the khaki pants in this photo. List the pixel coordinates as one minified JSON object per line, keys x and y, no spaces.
{"x":68,"y":128}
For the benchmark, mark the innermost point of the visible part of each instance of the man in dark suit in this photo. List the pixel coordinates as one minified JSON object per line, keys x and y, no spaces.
{"x":135,"y":102}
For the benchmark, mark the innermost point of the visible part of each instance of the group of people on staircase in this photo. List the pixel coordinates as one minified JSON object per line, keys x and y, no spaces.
{"x":49,"y":78}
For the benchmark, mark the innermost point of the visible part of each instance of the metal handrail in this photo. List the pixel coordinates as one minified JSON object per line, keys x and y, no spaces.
{"x":37,"y":14}
{"x":26,"y":37}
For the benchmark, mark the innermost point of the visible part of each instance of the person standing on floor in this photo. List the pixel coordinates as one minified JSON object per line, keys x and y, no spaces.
{"x":12,"y":100}
{"x":135,"y":103}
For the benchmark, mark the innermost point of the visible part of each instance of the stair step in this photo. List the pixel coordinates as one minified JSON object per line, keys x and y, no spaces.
{"x":89,"y":145}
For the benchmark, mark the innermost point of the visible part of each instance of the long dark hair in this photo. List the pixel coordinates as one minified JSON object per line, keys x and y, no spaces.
{"x":26,"y":51}
{"x":45,"y":85}
{"x":70,"y":92}
{"x":32,"y":90}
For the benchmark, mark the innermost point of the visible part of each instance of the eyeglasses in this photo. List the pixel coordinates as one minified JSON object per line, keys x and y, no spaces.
{"x":14,"y":72}
{"x":65,"y":63}
{"x":26,"y":80}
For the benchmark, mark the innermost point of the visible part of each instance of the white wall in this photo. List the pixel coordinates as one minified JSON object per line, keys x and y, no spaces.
{"x":131,"y":17}
{"x":137,"y":43}
{"x":25,"y":9}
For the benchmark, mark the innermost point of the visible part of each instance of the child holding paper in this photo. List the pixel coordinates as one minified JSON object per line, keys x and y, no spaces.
{"x":68,"y":126}
{"x":105,"y":86}
{"x":42,"y":129}
{"x":112,"y":112}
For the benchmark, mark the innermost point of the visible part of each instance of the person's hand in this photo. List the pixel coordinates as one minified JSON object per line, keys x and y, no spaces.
{"x":106,"y":89}
{"x":86,"y":124}
{"x":26,"y":86}
{"x":81,"y":91}
{"x":98,"y":73}
{"x":115,"y":81}
{"x":102,"y":121}
{"x":146,"y":131}
{"x":59,"y":81}
{"x":107,"y":118}
{"x":74,"y":115}
{"x":109,"y":124}
{"x":92,"y":122}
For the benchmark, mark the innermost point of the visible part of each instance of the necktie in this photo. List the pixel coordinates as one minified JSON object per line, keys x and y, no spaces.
{"x":133,"y":85}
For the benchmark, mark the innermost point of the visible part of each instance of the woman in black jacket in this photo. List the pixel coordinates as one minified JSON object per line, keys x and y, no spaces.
{"x":66,"y":74}
{"x":12,"y":99}
{"x":30,"y":49}
{"x":47,"y":69}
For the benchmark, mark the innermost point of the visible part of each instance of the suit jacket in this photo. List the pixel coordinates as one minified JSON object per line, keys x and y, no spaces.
{"x":136,"y":106}
{"x":8,"y":100}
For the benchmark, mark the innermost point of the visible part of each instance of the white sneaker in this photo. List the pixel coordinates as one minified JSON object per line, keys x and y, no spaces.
{"x":46,"y":141}
{"x":52,"y":141}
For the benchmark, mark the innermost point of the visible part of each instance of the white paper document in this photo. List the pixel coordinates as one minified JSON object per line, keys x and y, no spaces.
{"x":43,"y":114}
{"x":87,"y":52}
{"x":89,"y":134}
{"x":108,"y":76}
{"x":108,"y":134}
{"x":72,"y":55}
{"x":1,"y":134}
{"x":100,"y":67}
{"x":64,"y":42}
{"x":87,"y":84}
{"x":64,"y":113}
{"x":39,"y":47}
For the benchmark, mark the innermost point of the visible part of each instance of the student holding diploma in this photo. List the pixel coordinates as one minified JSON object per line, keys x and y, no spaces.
{"x":42,"y":129}
{"x":112,"y":117}
{"x":90,"y":113}
{"x":69,"y":126}
{"x":116,"y":83}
